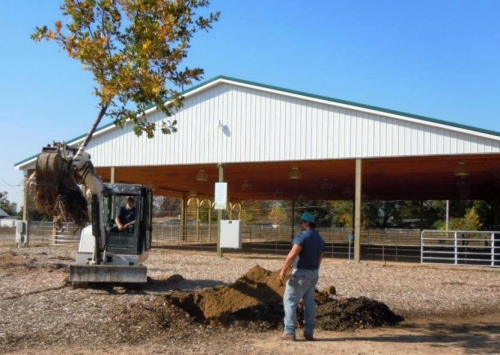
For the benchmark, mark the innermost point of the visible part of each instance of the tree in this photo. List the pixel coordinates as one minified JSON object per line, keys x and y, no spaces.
{"x":322,"y":211}
{"x":278,"y":215}
{"x":253,"y":211}
{"x":343,"y":214}
{"x":34,"y":215}
{"x":7,"y":206}
{"x":134,"y":49}
{"x":166,"y":206}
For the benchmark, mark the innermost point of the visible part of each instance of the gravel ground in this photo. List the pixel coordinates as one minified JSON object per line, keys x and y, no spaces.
{"x":41,"y":311}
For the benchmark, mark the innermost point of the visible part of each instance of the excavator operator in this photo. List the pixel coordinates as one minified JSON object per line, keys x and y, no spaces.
{"x":125,"y":220}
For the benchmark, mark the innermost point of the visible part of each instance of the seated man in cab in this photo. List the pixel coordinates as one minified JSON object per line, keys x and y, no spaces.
{"x":125,"y":220}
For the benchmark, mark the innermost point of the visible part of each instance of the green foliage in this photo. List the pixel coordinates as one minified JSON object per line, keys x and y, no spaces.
{"x":134,"y":49}
{"x":278,"y":215}
{"x":342,"y":214}
{"x":256,"y":211}
{"x":458,"y":210}
{"x":34,"y":215}
{"x":485,"y":214}
{"x":204,"y":214}
{"x":8,"y":207}
{"x":394,"y":214}
{"x":469,"y":222}
{"x":321,"y":210}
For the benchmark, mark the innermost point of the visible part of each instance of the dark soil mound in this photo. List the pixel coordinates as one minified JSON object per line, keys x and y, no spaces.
{"x":255,"y":301}
{"x":352,"y":313}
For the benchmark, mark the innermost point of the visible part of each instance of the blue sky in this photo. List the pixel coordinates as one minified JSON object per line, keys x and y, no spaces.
{"x":436,"y":58}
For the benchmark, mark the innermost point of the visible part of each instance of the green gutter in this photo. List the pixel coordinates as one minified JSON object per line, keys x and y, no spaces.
{"x":305,"y":94}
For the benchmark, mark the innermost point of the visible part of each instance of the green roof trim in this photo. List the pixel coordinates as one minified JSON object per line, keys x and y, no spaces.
{"x":305,"y":94}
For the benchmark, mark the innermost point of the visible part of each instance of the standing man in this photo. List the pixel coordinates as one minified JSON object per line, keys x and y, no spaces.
{"x":306,"y":254}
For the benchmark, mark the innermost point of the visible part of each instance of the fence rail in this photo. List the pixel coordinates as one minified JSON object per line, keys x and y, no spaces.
{"x":429,"y":246}
{"x":388,"y":245}
{"x":460,"y":248}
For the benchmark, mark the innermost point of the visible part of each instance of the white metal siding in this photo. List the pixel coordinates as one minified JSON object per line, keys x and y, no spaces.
{"x":269,"y":126}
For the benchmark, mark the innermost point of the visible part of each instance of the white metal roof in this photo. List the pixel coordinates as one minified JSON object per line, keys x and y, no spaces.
{"x":261,"y":123}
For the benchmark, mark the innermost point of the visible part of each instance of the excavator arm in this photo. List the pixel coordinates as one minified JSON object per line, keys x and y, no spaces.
{"x":59,"y":170}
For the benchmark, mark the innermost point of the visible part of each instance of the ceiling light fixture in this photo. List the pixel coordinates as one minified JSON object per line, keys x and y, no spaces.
{"x":295,"y":174}
{"x":201,"y":176}
{"x":461,"y":170}
{"x":278,"y":193}
{"x":246,"y":186}
{"x":347,"y":192}
{"x":326,"y":185}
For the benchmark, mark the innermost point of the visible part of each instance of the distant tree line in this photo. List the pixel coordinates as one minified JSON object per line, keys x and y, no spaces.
{"x":425,"y":214}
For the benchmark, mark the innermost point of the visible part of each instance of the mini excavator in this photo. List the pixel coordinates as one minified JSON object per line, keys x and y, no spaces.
{"x":105,"y":254}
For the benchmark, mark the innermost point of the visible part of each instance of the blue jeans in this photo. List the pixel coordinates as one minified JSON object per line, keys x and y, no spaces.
{"x":302,"y":284}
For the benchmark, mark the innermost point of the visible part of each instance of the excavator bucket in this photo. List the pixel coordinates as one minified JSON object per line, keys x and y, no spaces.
{"x":50,"y":170}
{"x":108,"y":273}
{"x":55,"y":192}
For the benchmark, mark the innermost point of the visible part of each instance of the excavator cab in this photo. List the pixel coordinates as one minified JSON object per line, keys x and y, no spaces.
{"x":135,"y":240}
{"x":123,"y":252}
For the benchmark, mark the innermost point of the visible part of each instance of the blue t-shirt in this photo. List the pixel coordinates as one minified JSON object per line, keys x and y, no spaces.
{"x":126,"y":215}
{"x":312,"y":245}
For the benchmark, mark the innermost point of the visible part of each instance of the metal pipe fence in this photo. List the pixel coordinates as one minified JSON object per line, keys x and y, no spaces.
{"x":389,"y":245}
{"x":476,"y":248}
{"x":42,"y":233}
{"x":398,"y":245}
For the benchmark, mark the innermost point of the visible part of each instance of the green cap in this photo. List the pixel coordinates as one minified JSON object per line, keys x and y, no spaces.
{"x":308,"y":217}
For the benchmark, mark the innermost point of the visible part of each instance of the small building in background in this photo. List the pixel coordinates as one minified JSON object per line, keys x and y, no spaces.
{"x":6,"y":220}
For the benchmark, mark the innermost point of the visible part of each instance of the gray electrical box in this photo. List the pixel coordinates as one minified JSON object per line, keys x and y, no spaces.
{"x":230,"y":234}
{"x":21,"y":232}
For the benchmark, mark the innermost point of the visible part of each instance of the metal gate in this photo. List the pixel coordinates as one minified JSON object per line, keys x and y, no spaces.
{"x":475,"y":248}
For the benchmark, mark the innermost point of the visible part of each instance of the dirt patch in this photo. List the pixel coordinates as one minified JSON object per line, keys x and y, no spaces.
{"x":254,"y":302}
{"x":43,"y":315}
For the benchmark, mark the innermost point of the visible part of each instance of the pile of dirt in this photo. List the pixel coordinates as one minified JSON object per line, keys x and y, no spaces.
{"x":354,"y":313}
{"x":256,"y":296}
{"x":255,"y":301}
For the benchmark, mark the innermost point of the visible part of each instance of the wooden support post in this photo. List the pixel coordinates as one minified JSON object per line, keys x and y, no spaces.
{"x":184,"y":216}
{"x":357,"y":213}
{"x":219,"y":213}
{"x":26,"y":207}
